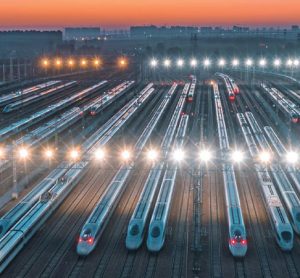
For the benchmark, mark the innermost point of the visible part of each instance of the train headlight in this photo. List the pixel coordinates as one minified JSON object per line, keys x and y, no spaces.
{"x":205,"y":155}
{"x":237,"y":156}
{"x":265,"y":157}
{"x":292,"y":157}
{"x":232,"y":241}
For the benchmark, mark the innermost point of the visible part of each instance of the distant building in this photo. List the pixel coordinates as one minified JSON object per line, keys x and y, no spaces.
{"x":29,"y":43}
{"x":82,"y":33}
{"x":152,"y":31}
{"x":156,"y":32}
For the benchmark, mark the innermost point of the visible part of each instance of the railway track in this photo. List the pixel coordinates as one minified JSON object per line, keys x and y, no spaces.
{"x":196,"y":242}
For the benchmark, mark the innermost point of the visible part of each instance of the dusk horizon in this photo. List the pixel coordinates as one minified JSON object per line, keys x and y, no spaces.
{"x":65,"y":13}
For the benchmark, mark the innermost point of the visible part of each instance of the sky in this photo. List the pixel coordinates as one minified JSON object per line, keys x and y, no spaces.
{"x":124,"y":13}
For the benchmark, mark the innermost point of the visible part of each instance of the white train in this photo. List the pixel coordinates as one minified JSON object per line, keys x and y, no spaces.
{"x":136,"y":227}
{"x":97,"y":221}
{"x":191,"y":92}
{"x":237,"y":239}
{"x":288,"y":108}
{"x":281,"y":151}
{"x":5,"y":99}
{"x":103,"y":101}
{"x":283,"y":230}
{"x":287,"y":191}
{"x":37,"y":97}
{"x":159,"y":219}
{"x":15,"y":238}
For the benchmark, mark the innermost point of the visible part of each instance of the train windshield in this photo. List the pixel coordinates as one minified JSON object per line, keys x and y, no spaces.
{"x":86,"y":234}
{"x":237,"y":235}
{"x":134,"y":230}
{"x":155,"y":232}
{"x":287,"y":236}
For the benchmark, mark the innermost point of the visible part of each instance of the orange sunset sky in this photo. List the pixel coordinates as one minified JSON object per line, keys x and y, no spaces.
{"x":123,"y":13}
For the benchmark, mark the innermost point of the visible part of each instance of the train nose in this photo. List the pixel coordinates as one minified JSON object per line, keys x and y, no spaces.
{"x":83,"y":249}
{"x":155,"y":240}
{"x":134,"y":238}
{"x":133,"y":242}
{"x":238,"y":248}
{"x":286,"y":241}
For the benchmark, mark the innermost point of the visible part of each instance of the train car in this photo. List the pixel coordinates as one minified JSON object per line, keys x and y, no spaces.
{"x":15,"y":239}
{"x":37,"y":97}
{"x":137,"y":223}
{"x":237,"y":237}
{"x":157,"y":227}
{"x":103,"y":101}
{"x":229,"y":88}
{"x":98,"y":219}
{"x":286,"y":189}
{"x":235,"y":87}
{"x":286,"y":106}
{"x":282,"y":228}
{"x":190,"y":95}
{"x":231,"y":97}
{"x":5,"y":99}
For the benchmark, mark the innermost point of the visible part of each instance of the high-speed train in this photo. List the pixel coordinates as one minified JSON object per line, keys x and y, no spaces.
{"x":190,"y":95}
{"x":229,"y":88}
{"x":137,"y":224}
{"x":235,"y":87}
{"x":286,"y":106}
{"x":236,"y":228}
{"x":98,"y":219}
{"x":283,"y":230}
{"x":159,"y":220}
